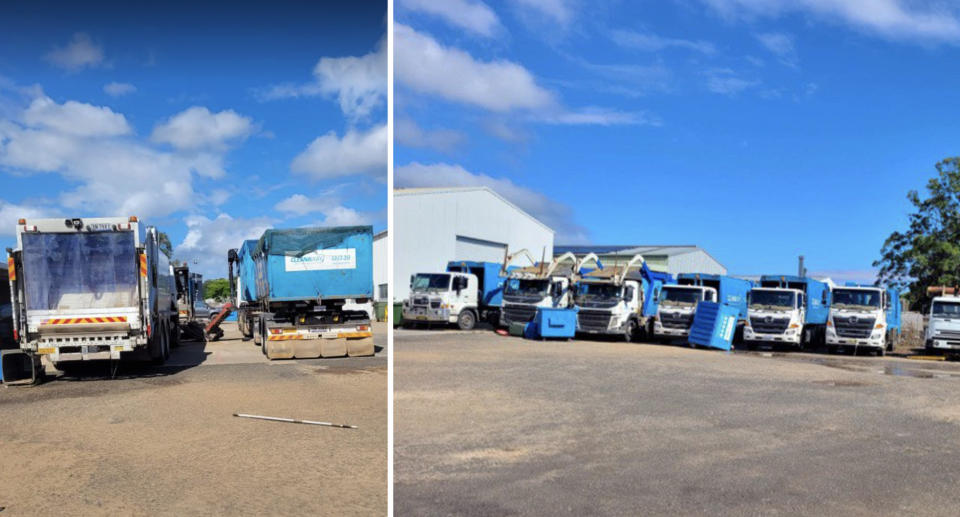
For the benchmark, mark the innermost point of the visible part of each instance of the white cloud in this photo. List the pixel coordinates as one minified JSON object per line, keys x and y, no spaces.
{"x":593,"y":115}
{"x":358,"y":152}
{"x":552,"y":213}
{"x":781,"y":45}
{"x":726,"y":82}
{"x":334,"y":213}
{"x":198,"y":128}
{"x":408,"y":133}
{"x":358,"y":83}
{"x":473,"y":16}
{"x":343,"y":216}
{"x":80,"y":53}
{"x":116,"y":89}
{"x":426,"y":66}
{"x":654,"y":43}
{"x":924,"y":21}
{"x":75,"y":118}
{"x":559,"y":11}
{"x":207,"y":240}
{"x":10,"y":213}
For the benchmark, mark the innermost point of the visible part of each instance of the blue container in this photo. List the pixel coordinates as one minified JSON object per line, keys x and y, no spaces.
{"x":555,"y":323}
{"x":818,"y":294}
{"x":247,"y":271}
{"x":490,"y":281}
{"x":309,"y":263}
{"x":730,"y":291}
{"x":714,"y":325}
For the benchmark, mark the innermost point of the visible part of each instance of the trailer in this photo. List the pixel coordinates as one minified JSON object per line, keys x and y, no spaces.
{"x":90,"y":289}
{"x":314,"y":292}
{"x":467,"y":292}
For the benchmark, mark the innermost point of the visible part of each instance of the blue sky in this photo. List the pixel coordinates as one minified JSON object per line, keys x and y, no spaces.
{"x":758,"y":129}
{"x":210,"y":123}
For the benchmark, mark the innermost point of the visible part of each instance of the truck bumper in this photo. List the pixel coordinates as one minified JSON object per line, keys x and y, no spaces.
{"x":834,"y":340}
{"x":81,"y":349}
{"x":749,"y":336}
{"x":944,"y":344}
{"x":293,"y":343}
{"x":660,"y":331}
{"x":428,"y":315}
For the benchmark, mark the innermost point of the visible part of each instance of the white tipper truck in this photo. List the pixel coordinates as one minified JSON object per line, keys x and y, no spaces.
{"x":92,"y":288}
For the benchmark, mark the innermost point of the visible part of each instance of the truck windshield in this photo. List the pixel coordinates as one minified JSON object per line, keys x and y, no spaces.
{"x":772,"y":300}
{"x":851,"y":298}
{"x":435,"y":281}
{"x":526,"y":287}
{"x":67,"y":271}
{"x":682,"y":296}
{"x":946,"y":309}
{"x":598,"y":292}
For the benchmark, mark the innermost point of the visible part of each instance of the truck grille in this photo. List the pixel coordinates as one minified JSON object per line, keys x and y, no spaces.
{"x":854,"y":327}
{"x":948,"y":334}
{"x":421,"y":300}
{"x":676,"y":320}
{"x":515,"y":314}
{"x":769,"y":325}
{"x":593,"y":320}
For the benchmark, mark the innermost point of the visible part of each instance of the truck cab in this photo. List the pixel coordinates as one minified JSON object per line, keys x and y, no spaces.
{"x":943,"y":326}
{"x":774,"y":315}
{"x":442,"y":298}
{"x":676,"y":308}
{"x":858,"y":318}
{"x":522,"y":296}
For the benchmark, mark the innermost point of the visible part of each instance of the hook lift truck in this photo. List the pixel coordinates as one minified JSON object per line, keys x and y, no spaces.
{"x":536,"y":286}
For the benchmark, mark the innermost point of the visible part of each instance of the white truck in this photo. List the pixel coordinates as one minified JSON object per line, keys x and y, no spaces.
{"x":675,"y":312}
{"x":539,"y":285}
{"x":617,"y":300}
{"x":943,"y":325}
{"x":92,"y":288}
{"x":859,"y":319}
{"x":442,"y":299}
{"x":774,"y":315}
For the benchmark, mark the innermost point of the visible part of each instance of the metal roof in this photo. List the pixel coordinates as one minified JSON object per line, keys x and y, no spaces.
{"x":663,"y":250}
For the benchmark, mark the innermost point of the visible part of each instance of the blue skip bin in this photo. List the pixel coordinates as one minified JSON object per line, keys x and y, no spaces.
{"x":714,"y":325}
{"x":555,"y":323}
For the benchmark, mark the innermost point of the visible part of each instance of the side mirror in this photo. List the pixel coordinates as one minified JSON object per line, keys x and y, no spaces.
{"x":411,"y":280}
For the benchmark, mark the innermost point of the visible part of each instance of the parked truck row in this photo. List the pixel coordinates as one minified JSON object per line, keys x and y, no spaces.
{"x":634,"y":301}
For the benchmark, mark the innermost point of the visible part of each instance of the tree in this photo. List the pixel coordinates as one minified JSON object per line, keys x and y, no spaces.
{"x":165,"y":246}
{"x":218,"y":289}
{"x":928,"y":253}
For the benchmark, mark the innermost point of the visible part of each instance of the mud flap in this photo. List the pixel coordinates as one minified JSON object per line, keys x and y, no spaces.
{"x":360,"y":347}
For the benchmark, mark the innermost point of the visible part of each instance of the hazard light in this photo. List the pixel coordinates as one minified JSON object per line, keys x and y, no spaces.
{"x":133,"y":219}
{"x":21,"y":221}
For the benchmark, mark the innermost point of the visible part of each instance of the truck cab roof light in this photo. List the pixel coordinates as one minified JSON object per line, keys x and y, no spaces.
{"x":133,"y":218}
{"x":22,"y":221}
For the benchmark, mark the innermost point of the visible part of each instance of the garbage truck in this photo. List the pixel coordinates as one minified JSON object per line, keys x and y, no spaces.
{"x":787,"y":309}
{"x":863,"y":317}
{"x":467,"y":292}
{"x":314,"y":292}
{"x":678,"y":303}
{"x":617,"y":300}
{"x":536,"y":286}
{"x":942,"y":334}
{"x":92,"y":288}
{"x":242,"y":276}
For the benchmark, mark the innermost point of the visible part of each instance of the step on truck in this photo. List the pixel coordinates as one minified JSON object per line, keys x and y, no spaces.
{"x":788,"y":310}
{"x":617,"y":300}
{"x":92,"y":288}
{"x":467,"y":292}
{"x":678,"y":303}
{"x":863,"y":317}
{"x":539,"y":285}
{"x":314,"y":292}
{"x":242,"y":275}
{"x":942,"y":334}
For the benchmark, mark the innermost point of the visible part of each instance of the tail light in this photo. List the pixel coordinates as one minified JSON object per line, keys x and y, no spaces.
{"x":16,"y":335}
{"x":363,"y":327}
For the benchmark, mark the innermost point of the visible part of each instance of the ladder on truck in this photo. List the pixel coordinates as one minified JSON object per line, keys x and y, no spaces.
{"x":212,"y":331}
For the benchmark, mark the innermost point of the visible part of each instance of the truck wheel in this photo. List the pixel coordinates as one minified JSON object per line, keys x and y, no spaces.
{"x":466,"y":320}
{"x":175,"y":336}
{"x":630,"y":333}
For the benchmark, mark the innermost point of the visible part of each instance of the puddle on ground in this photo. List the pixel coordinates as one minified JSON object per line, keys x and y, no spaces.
{"x":859,"y":366}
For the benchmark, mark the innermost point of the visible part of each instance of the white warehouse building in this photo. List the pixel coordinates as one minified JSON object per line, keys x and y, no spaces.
{"x":433,"y":226}
{"x":380,"y":266}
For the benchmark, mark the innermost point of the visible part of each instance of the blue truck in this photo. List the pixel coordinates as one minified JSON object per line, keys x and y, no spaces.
{"x":789,"y":310}
{"x":678,"y":302}
{"x":314,"y":292}
{"x":465,"y":293}
{"x":863,"y":317}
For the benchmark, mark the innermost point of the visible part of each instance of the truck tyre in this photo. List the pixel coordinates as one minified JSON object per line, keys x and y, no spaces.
{"x":175,"y":336}
{"x":467,"y":320}
{"x":630,"y":332}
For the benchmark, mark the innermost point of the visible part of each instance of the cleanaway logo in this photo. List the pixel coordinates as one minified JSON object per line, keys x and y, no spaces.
{"x":323,"y":259}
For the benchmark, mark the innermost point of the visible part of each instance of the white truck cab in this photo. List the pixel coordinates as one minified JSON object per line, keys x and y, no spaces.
{"x":943,"y":327}
{"x":774,"y":315}
{"x":522,"y":296}
{"x":442,"y":298}
{"x":609,"y":307}
{"x":858,"y":318}
{"x":676,"y":309}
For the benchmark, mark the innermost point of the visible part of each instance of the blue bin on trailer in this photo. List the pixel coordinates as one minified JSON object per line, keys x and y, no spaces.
{"x":555,"y":323}
{"x":714,"y":325}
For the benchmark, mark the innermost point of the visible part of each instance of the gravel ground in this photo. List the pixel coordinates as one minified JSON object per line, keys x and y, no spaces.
{"x":163,"y":441}
{"x":491,"y":425}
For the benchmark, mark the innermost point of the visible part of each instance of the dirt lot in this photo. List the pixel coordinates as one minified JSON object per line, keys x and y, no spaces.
{"x":491,"y":425}
{"x":164,"y":442}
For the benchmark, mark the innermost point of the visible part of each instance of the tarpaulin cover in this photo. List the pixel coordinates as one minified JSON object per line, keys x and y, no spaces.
{"x":297,"y":242}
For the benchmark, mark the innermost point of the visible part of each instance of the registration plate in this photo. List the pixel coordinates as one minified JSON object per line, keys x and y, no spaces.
{"x":421,"y":317}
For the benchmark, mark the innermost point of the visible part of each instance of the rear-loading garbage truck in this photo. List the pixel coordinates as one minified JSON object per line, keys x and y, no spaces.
{"x":92,"y":288}
{"x":866,"y":317}
{"x":678,"y":303}
{"x":314,"y":292}
{"x":467,"y":292}
{"x":617,"y":300}
{"x":242,"y":276}
{"x":789,"y":310}
{"x":539,"y":285}
{"x":942,"y":334}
